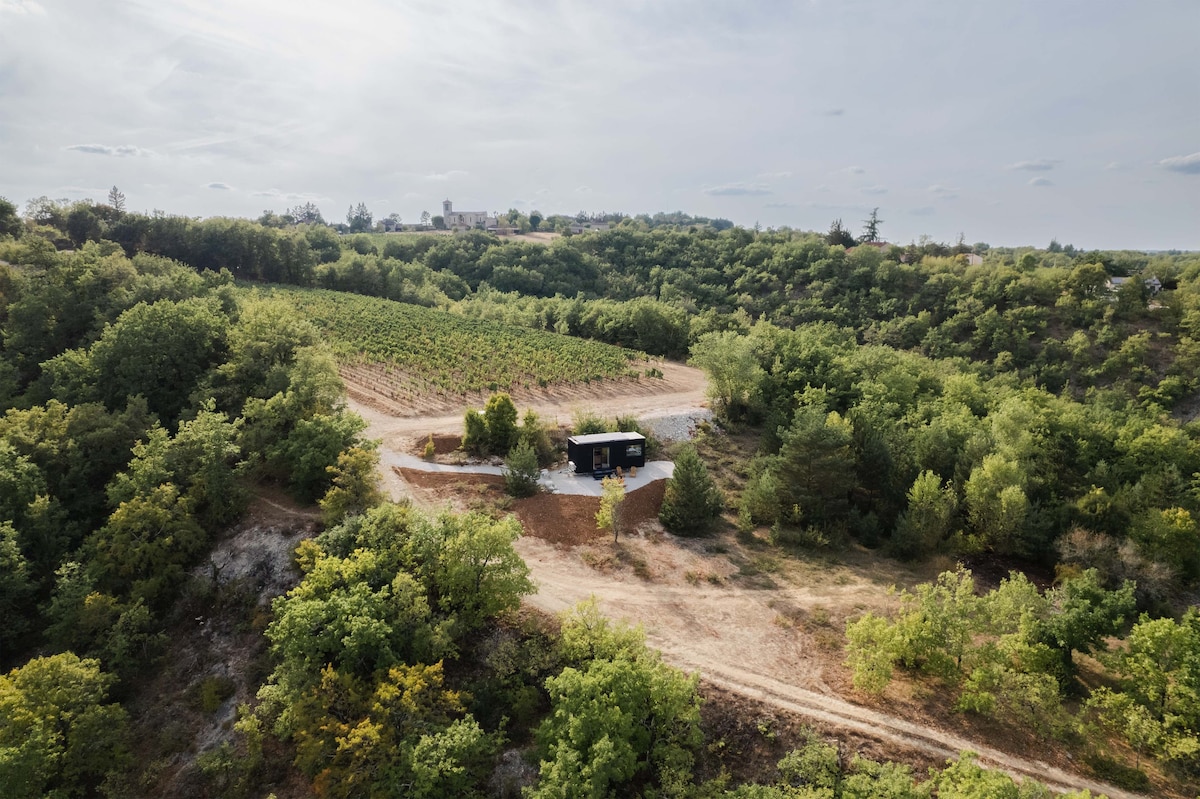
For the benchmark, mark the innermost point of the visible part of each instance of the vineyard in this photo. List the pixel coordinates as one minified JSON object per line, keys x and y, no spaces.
{"x":419,"y":352}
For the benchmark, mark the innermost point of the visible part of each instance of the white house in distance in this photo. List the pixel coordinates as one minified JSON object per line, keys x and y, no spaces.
{"x":466,"y":220}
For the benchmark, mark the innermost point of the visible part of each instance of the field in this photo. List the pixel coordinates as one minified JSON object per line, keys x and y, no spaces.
{"x":411,"y":351}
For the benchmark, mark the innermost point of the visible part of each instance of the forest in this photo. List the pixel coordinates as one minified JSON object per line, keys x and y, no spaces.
{"x":1032,"y":413}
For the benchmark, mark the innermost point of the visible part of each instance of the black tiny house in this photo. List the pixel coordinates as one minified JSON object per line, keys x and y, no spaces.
{"x":602,"y":453}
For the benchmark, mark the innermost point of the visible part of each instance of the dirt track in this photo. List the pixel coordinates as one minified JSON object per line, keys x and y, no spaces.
{"x":774,"y":641}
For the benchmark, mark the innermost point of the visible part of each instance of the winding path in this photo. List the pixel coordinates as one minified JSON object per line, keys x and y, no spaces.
{"x":724,"y":632}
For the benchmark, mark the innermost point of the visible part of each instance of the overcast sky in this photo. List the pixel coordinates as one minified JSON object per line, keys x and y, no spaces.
{"x":1009,"y":121}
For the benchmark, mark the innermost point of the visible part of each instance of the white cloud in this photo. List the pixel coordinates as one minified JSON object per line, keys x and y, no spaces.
{"x":1187,"y":164}
{"x":120,"y":151}
{"x":924,"y":210}
{"x":219,"y":186}
{"x":1041,"y":182}
{"x":737,"y":190}
{"x":22,"y":7}
{"x":1037,"y":165}
{"x":855,"y":170}
{"x":874,"y":190}
{"x":444,"y":176}
{"x":834,"y":112}
{"x":774,"y":175}
{"x":290,"y":196}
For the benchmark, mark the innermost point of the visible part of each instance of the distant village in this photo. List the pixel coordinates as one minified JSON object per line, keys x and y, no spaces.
{"x":510,"y":224}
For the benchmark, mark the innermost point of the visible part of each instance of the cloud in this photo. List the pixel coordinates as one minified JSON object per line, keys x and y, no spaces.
{"x":1037,"y":165}
{"x":1186,"y":164}
{"x":943,"y":192}
{"x":276,"y":194}
{"x":1114,"y":165}
{"x":774,"y":175}
{"x":22,"y":7}
{"x":220,"y":186}
{"x":120,"y":151}
{"x":583,"y":190}
{"x":855,"y":170}
{"x":91,"y":191}
{"x":779,"y":205}
{"x":874,"y":190}
{"x":834,"y":112}
{"x":737,"y":190}
{"x":924,"y":210}
{"x":442,"y":176}
{"x":1040,"y":182}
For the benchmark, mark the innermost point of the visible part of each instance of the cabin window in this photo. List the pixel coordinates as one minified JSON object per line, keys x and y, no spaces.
{"x":633,"y":451}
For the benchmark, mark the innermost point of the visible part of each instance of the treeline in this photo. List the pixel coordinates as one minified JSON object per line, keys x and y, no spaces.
{"x":923,"y":455}
{"x":1052,"y":316}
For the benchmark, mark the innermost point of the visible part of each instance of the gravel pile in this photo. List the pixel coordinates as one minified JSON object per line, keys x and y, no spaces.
{"x":679,"y":425}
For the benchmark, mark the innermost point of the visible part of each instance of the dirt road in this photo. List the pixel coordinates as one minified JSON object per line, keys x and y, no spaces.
{"x":767,"y":629}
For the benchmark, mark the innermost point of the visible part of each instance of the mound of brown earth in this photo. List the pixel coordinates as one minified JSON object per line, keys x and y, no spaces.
{"x":561,"y":519}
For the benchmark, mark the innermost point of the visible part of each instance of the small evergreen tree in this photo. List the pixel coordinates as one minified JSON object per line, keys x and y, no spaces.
{"x":692,"y":500}
{"x":500,"y":417}
{"x":521,"y":471}
{"x":535,"y":435}
{"x":475,"y":433}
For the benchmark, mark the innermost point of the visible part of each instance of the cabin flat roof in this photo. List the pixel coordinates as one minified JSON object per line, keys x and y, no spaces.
{"x":600,"y":438}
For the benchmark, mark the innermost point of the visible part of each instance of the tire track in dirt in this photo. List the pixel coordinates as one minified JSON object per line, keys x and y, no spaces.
{"x":702,"y":628}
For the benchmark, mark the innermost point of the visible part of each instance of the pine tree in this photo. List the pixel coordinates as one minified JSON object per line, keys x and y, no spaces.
{"x":521,"y":471}
{"x":871,"y":226}
{"x":116,"y":198}
{"x":692,"y":500}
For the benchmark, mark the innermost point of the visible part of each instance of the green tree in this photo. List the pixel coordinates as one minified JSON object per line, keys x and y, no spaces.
{"x":116,"y":200}
{"x":534,"y":433}
{"x":354,"y":487}
{"x":996,"y":502}
{"x":814,"y":764}
{"x":926,"y":522}
{"x":83,"y":225}
{"x":816,"y":466}
{"x":10,"y":220}
{"x":611,"y":498}
{"x":1084,"y":613}
{"x":521,"y":471}
{"x":471,"y":569}
{"x":871,"y":226}
{"x":731,"y":362}
{"x":58,"y":737}
{"x":475,"y":438}
{"x":359,"y":218}
{"x":500,"y":417}
{"x":16,"y":587}
{"x":691,"y":501}
{"x":158,"y":350}
{"x":146,"y":545}
{"x":838,"y":236}
{"x":615,"y":725}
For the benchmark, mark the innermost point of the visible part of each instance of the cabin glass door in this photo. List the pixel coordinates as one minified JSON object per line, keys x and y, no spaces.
{"x":599,"y":458}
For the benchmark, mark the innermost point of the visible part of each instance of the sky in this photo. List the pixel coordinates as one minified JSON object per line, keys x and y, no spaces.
{"x":1010,"y":122}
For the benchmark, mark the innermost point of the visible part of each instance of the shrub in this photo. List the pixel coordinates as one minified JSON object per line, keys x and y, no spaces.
{"x":588,"y":423}
{"x":475,"y":434}
{"x":521,"y":471}
{"x":500,"y":418}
